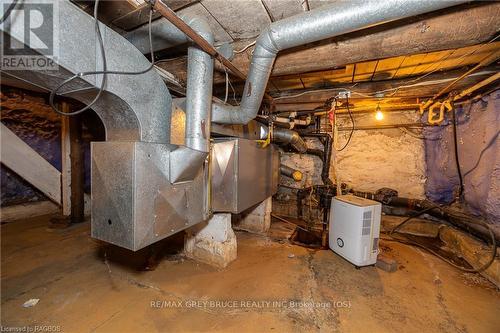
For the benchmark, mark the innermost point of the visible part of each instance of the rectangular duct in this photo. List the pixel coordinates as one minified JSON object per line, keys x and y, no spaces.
{"x":143,"y":192}
{"x":243,"y":174}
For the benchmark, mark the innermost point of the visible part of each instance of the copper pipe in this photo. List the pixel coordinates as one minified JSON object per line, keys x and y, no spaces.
{"x":171,"y":16}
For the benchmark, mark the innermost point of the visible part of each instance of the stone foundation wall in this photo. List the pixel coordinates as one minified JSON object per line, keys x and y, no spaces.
{"x":479,"y":155}
{"x":29,"y":116}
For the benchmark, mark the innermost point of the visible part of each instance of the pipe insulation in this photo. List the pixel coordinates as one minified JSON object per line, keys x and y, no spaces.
{"x":325,"y":22}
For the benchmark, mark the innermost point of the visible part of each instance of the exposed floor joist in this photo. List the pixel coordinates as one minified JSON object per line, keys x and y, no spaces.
{"x":458,"y":28}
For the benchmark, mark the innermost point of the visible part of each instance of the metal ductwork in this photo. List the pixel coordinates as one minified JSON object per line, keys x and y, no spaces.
{"x":286,"y":136}
{"x":243,"y":174}
{"x":132,"y":107}
{"x":143,"y":188}
{"x":322,"y":23}
{"x":200,"y":73}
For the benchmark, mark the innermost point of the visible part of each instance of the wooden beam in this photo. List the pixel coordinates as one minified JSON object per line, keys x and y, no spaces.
{"x":312,"y":106}
{"x":77,"y":170}
{"x":426,"y":87}
{"x":449,"y":29}
{"x":27,"y":163}
{"x":65,"y":163}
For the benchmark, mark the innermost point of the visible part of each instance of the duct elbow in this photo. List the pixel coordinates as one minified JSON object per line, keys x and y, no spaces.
{"x":200,"y":26}
{"x":230,"y":114}
{"x":290,"y":137}
{"x":166,"y":35}
{"x":267,"y":42}
{"x":298,"y":143}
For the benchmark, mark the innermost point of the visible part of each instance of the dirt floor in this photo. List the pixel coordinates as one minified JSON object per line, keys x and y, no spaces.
{"x":84,"y":285}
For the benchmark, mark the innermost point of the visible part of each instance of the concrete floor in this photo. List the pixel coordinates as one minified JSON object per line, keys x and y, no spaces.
{"x":86,"y":286}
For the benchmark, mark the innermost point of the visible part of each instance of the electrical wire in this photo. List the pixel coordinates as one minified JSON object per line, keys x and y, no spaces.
{"x":400,"y":225}
{"x":245,"y":48}
{"x":104,"y":72}
{"x":377,"y":93}
{"x":490,"y":143}
{"x":455,"y":146}
{"x":8,"y":11}
{"x":460,"y":58}
{"x":353,"y":126}
{"x":411,"y":83}
{"x":409,"y":242}
{"x":234,"y":91}
{"x":321,"y":90}
{"x":465,"y":269}
{"x":227,"y":85}
{"x":408,"y":84}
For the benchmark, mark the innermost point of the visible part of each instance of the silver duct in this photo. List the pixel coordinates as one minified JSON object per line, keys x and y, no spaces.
{"x":143,"y":188}
{"x":132,"y":107}
{"x":200,"y":73}
{"x":322,"y":23}
{"x":199,"y":90}
{"x":286,"y":136}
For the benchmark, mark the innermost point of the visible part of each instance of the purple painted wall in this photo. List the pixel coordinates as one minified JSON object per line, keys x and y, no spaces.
{"x":479,"y":154}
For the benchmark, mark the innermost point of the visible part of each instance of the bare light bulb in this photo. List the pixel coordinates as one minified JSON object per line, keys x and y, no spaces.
{"x":379,"y":115}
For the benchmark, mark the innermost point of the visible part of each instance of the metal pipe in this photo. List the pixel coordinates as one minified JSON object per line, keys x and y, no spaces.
{"x":200,"y":71}
{"x":325,"y":22}
{"x":199,"y":90}
{"x":198,"y":39}
{"x":290,"y":172}
{"x":326,"y":155}
{"x":382,"y":127}
{"x":287,"y":136}
{"x":286,"y":122}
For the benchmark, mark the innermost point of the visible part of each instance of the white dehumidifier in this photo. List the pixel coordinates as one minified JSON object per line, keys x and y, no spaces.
{"x":354,"y":229}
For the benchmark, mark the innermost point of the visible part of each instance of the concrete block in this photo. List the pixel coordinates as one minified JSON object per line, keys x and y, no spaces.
{"x":386,"y":263}
{"x":212,"y":242}
{"x":256,"y":219}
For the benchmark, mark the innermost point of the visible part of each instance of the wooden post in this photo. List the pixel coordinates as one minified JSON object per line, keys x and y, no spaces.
{"x":65,"y":163}
{"x":77,"y":168}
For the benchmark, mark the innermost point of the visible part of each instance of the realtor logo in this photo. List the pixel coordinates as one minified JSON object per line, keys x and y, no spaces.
{"x":29,"y":35}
